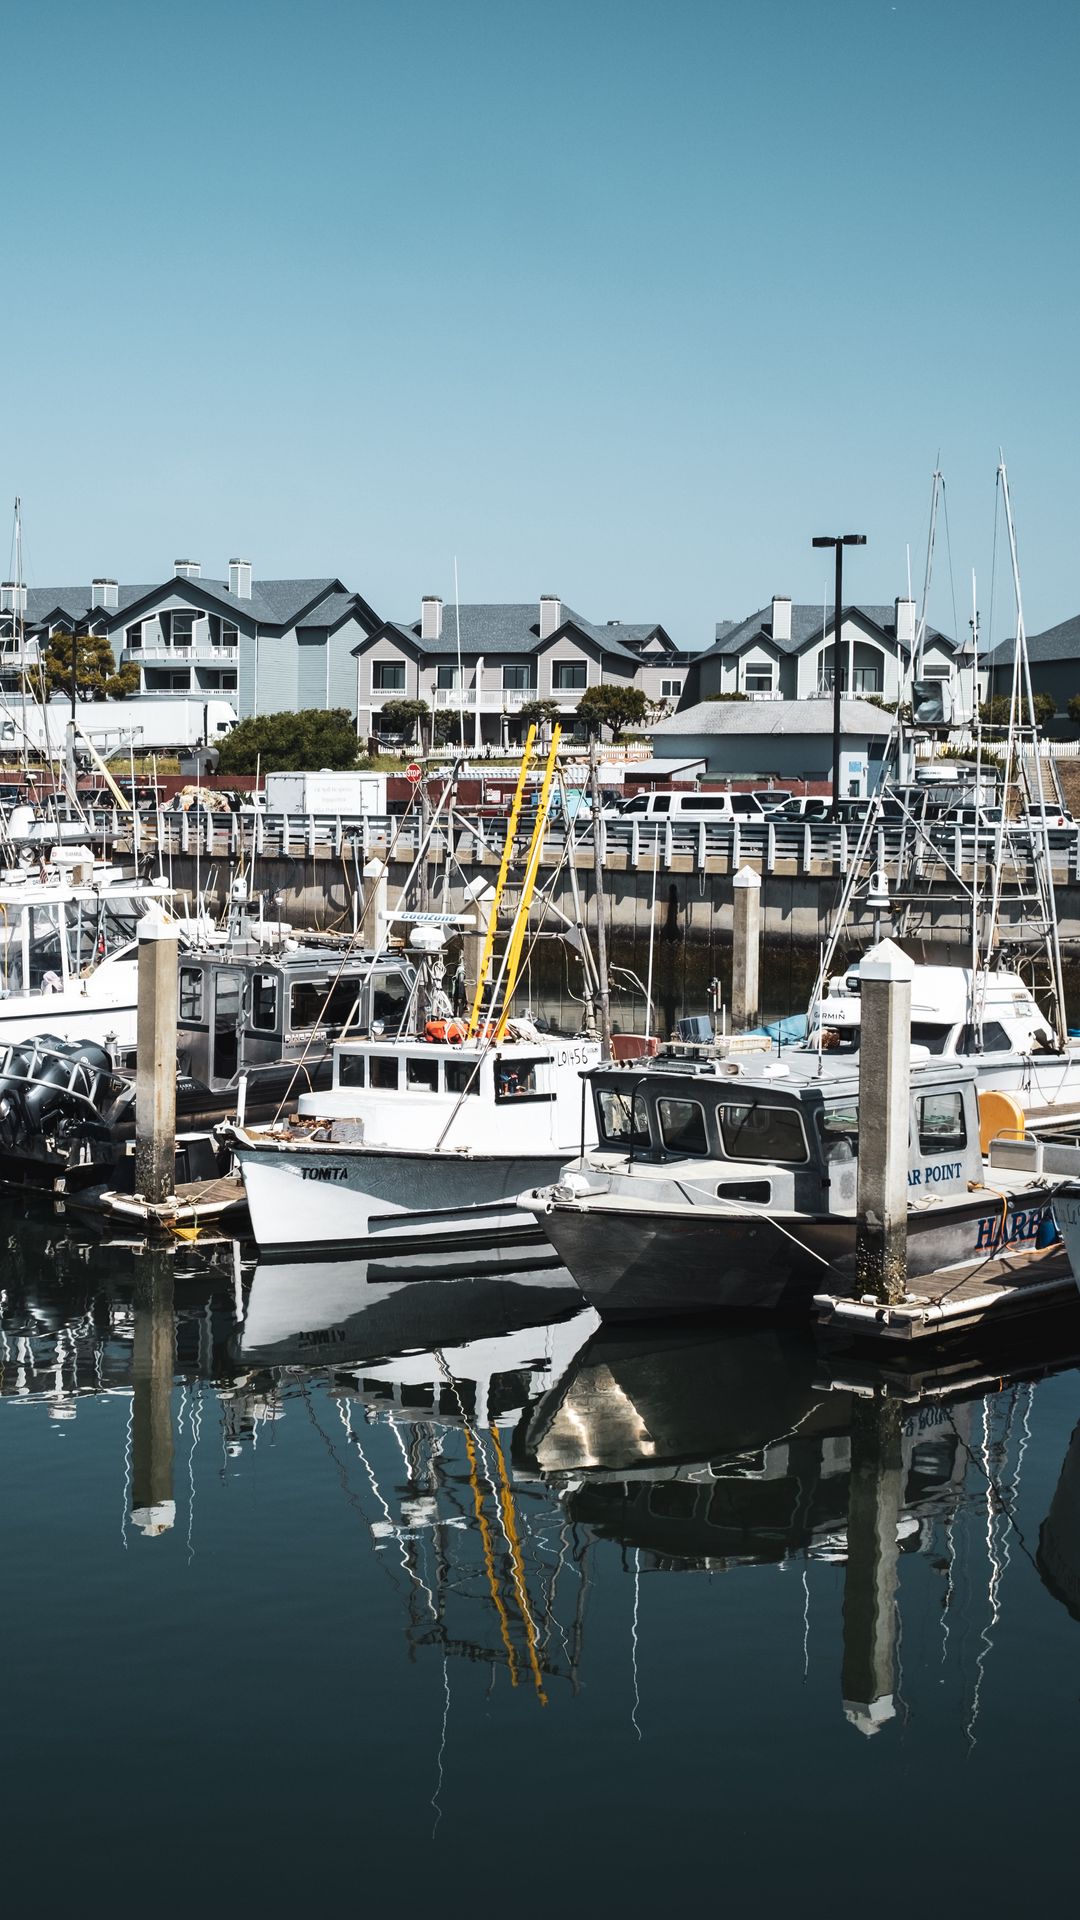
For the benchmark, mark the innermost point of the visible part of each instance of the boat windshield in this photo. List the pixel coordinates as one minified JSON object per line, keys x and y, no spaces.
{"x":756,"y":1132}
{"x":930,"y":1034}
{"x":623,"y":1119}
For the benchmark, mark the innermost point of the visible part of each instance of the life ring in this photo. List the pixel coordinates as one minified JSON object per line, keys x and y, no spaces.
{"x":455,"y":1031}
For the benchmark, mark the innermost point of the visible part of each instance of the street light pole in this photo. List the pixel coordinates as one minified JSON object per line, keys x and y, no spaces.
{"x":838,"y":541}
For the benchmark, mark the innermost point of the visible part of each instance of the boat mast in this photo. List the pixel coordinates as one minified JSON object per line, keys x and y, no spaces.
{"x":603,"y":991}
{"x":1022,"y":729}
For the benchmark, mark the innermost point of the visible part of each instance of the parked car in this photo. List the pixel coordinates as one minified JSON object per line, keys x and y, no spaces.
{"x":693,"y":808}
{"x":772,"y":798}
{"x":1059,"y":822}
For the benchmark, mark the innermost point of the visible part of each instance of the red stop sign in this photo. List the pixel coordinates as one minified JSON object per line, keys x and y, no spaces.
{"x":414,"y":772}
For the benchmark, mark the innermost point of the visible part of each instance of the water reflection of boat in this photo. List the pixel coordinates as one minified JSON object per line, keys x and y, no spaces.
{"x":1058,"y":1556}
{"x":337,"y":1313}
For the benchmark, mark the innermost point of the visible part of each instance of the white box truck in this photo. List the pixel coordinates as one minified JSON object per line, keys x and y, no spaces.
{"x":114,"y":726}
{"x":341,"y":793}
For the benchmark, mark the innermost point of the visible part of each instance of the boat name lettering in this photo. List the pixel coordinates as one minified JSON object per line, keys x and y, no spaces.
{"x":1024,"y":1225}
{"x":324,"y":1173}
{"x":936,"y":1171}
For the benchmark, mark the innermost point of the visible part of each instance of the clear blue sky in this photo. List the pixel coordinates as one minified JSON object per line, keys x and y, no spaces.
{"x":613,"y":300}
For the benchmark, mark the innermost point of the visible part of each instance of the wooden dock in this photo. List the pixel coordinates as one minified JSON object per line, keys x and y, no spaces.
{"x":958,"y":1299}
{"x":196,"y":1204}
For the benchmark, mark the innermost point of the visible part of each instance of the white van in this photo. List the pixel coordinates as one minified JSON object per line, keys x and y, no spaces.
{"x":691,"y":807}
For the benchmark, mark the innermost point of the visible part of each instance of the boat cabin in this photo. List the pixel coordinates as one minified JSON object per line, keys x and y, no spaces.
{"x":779,"y":1136}
{"x":58,"y":922}
{"x":941,"y":1006}
{"x":420,"y":1093}
{"x":239,"y":1011}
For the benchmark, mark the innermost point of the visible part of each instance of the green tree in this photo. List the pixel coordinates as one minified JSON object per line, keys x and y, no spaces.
{"x":612,"y":706}
{"x":538,"y":713}
{"x":94,"y":665}
{"x":404,"y":716}
{"x":123,"y":682}
{"x":291,"y":743}
{"x":710,"y":697}
{"x":995,"y":713}
{"x":1073,"y":708}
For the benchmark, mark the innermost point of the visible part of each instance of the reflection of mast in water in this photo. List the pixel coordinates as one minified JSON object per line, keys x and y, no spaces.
{"x":153,"y":1508}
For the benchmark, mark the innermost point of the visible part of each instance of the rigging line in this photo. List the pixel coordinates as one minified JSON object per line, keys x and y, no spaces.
{"x":634,"y":1643}
{"x":436,"y":1798}
{"x":950,"y":1570}
{"x":196,"y":1429}
{"x":999,"y":1497}
{"x":350,"y":1495}
{"x":806,"y":1627}
{"x":127,"y":1472}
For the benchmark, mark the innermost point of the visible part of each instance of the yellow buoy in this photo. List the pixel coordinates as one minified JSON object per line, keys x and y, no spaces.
{"x":1000,"y":1117}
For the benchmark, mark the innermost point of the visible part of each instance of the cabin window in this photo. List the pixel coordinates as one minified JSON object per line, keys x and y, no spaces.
{"x":623,"y":1121}
{"x":682,"y":1126}
{"x":462,"y":1076}
{"x":191,"y":995}
{"x":383,"y":1072}
{"x":929,"y":1034}
{"x":315,"y":1003}
{"x":422,"y":1073}
{"x":389,"y":999}
{"x":350,"y":1069}
{"x":994,"y":1039}
{"x":840,"y":1124}
{"x":264,"y":1002}
{"x":519,"y":1080}
{"x":941,"y":1123}
{"x":763,"y":1133}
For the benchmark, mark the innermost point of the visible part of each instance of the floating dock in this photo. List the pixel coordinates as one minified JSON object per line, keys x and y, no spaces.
{"x":957,"y":1299}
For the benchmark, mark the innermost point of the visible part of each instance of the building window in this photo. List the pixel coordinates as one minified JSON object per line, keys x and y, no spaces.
{"x":160,"y":680}
{"x":517,"y":676}
{"x":388,"y":676}
{"x":569,"y":676}
{"x":670,"y":689}
{"x":133,"y":637}
{"x":758,"y":678}
{"x":223,"y":634}
{"x":180,"y":629}
{"x":446,"y":676}
{"x":867,"y":680}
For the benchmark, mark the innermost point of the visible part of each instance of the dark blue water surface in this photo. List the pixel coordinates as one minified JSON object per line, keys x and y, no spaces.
{"x":534,"y":1618}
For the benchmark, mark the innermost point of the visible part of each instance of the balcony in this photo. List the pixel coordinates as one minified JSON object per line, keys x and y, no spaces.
{"x":489,"y":699}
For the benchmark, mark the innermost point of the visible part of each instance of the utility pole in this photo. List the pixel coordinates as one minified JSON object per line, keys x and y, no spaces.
{"x":838,"y":541}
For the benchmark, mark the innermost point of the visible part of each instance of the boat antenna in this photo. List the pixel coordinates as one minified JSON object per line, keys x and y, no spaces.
{"x":460,"y":683}
{"x":937,"y":484}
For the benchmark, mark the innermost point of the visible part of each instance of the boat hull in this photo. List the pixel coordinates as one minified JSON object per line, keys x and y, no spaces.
{"x":1067,"y":1217}
{"x":633,"y":1264}
{"x":367,"y":1198}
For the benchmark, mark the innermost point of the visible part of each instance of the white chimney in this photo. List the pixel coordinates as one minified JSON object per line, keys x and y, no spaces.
{"x":431,"y":617}
{"x":781,"y":616}
{"x":550,"y":615}
{"x":104,"y":593}
{"x":905,"y":623}
{"x":190,"y":569}
{"x":240,"y":579}
{"x":12,"y":597}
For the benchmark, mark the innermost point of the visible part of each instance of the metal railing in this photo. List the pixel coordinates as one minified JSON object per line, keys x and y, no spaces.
{"x":791,"y":848}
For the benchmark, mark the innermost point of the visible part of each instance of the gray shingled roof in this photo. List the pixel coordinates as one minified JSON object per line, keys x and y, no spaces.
{"x":491,"y":628}
{"x":734,"y":717}
{"x":806,"y":627}
{"x":1057,"y":643}
{"x":273,"y":603}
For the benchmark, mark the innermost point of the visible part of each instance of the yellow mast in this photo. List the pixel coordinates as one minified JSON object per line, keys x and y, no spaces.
{"x":532,"y":868}
{"x":493,"y":917}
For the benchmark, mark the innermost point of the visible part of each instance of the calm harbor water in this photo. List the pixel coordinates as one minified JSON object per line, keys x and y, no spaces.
{"x":325,"y":1582}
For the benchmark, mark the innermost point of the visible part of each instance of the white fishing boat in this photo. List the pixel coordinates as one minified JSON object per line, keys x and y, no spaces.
{"x":732,"y":1185}
{"x":69,"y":948}
{"x":418,"y":1140}
{"x":432,"y":1136}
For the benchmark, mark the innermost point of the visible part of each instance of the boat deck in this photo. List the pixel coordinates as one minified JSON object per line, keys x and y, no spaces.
{"x":956,"y":1299}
